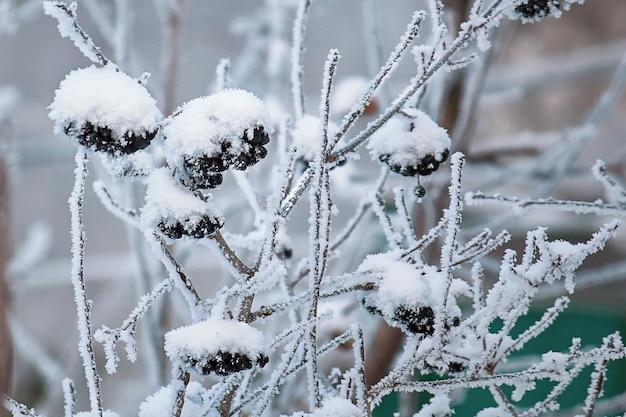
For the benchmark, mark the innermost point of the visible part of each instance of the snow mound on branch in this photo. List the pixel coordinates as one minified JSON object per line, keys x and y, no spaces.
{"x":222,"y":346}
{"x":107,"y":98}
{"x":169,"y":204}
{"x":158,"y":404}
{"x":408,"y":295}
{"x":201,"y":125}
{"x":407,"y":140}
{"x":307,"y":138}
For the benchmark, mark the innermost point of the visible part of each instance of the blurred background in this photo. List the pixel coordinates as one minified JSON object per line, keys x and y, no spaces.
{"x":562,"y":65}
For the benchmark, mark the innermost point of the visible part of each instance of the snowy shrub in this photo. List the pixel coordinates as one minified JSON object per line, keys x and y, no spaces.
{"x":317,"y":245}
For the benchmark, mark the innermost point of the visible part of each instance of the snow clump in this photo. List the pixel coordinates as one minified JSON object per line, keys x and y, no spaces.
{"x":210,"y":134}
{"x":158,"y":404}
{"x":411,"y":144}
{"x":216,"y":345}
{"x":105,"y":110}
{"x":176,"y":211}
{"x":408,"y":295}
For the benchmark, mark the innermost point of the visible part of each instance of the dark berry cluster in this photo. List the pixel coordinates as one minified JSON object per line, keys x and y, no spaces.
{"x":199,"y":227}
{"x":226,"y":363}
{"x":204,"y":170}
{"x":425,"y":165}
{"x":537,"y":9}
{"x":209,"y":135}
{"x":105,"y":110}
{"x":416,"y":319}
{"x":103,"y":139}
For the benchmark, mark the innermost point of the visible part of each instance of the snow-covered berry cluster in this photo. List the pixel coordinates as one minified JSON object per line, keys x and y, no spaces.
{"x":409,"y":296}
{"x":216,"y":346}
{"x":175,"y":210}
{"x":532,"y":10}
{"x":411,"y":144}
{"x":211,"y":134}
{"x":105,"y":110}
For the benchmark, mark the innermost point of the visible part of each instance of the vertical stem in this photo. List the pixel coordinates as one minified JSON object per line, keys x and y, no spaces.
{"x":180,"y":381}
{"x":297,"y":57}
{"x":83,"y":305}
{"x":5,"y":334}
{"x":319,"y":231}
{"x":171,"y":53}
{"x":69,"y":397}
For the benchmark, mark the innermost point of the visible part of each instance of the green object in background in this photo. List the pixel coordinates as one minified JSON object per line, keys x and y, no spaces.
{"x":590,"y":327}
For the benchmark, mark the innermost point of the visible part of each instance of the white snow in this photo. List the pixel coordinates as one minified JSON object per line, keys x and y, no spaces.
{"x":306,"y":136}
{"x":402,"y":283}
{"x":201,"y":125}
{"x":406,"y":145}
{"x":167,"y":199}
{"x":206,"y":338}
{"x":104,"y":97}
{"x":158,"y":404}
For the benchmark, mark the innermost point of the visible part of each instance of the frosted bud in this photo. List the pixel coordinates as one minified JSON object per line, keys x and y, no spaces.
{"x":175,"y":210}
{"x":208,"y":135}
{"x":105,"y":110}
{"x":411,"y":144}
{"x":216,"y":345}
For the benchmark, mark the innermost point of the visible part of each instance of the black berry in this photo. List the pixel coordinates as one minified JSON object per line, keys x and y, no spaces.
{"x":537,"y":9}
{"x":417,"y":320}
{"x":103,"y":139}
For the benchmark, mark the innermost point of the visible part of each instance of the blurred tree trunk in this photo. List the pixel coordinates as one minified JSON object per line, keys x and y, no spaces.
{"x":5,"y":337}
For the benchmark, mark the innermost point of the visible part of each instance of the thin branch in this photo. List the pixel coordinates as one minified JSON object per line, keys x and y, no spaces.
{"x":184,"y":285}
{"x":83,"y":305}
{"x":297,"y":57}
{"x":68,"y":27}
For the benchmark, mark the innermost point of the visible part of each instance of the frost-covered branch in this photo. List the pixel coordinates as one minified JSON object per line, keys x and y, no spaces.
{"x":68,"y":27}
{"x":83,"y":305}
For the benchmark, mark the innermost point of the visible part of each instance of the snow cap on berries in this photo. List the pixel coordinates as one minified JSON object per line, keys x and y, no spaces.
{"x":411,"y":144}
{"x":105,"y":110}
{"x":216,"y":345}
{"x":176,"y":211}
{"x":307,"y":138}
{"x":408,"y":295}
{"x":210,"y":134}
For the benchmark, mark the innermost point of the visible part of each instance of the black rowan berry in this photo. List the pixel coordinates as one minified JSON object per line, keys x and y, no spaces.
{"x":417,"y":320}
{"x":537,"y":9}
{"x":419,"y":191}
